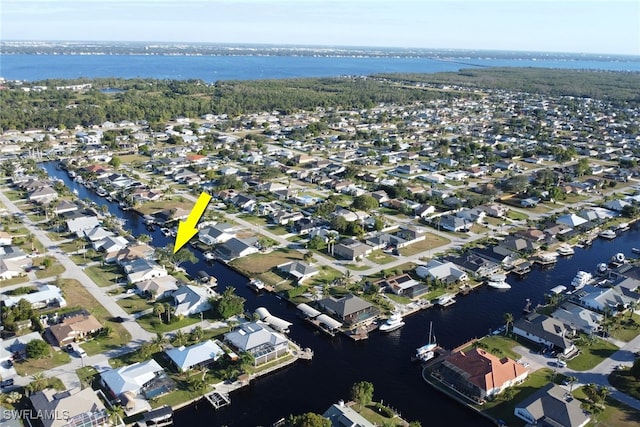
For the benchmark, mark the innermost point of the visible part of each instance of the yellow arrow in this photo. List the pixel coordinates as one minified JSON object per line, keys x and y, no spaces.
{"x":187,"y":228}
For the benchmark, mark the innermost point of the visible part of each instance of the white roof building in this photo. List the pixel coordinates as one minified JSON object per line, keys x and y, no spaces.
{"x":46,"y":295}
{"x":130,"y":378}
{"x":190,"y":299}
{"x":204,"y":353}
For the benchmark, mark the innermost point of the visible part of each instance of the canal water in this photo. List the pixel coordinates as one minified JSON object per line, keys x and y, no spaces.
{"x":383,"y":359}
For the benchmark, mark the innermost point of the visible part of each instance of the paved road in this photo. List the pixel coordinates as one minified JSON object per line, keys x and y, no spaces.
{"x":598,"y":375}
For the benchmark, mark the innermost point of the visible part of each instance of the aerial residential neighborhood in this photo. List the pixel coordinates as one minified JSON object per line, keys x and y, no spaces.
{"x":350,"y":215}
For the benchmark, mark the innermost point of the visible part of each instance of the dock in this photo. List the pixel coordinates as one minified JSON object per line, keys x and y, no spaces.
{"x":522,"y":269}
{"x":217,"y":399}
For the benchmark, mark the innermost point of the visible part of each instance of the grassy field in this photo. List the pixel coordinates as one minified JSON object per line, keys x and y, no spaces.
{"x":255,"y":220}
{"x":380,"y":257}
{"x":432,"y":241}
{"x":259,"y":263}
{"x":14,"y":281}
{"x":516,"y":216}
{"x":615,"y":414}
{"x":592,"y":355}
{"x":56,"y":269}
{"x":151,"y":323}
{"x":134,"y":304}
{"x":32,"y":366}
{"x":629,"y":328}
{"x":160,"y":205}
{"x":624,"y":381}
{"x":106,"y":275}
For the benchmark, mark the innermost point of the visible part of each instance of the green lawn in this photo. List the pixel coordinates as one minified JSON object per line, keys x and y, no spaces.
{"x":615,"y":414}
{"x":624,"y":381}
{"x":256,"y":220}
{"x":516,"y":216}
{"x":278,"y":230}
{"x":259,"y":263}
{"x":432,"y":241}
{"x":14,"y":195}
{"x":55,"y":270}
{"x":134,"y":304}
{"x":629,"y":328}
{"x":32,"y":366}
{"x":591,"y":355}
{"x":326,"y":275}
{"x":105,"y":275}
{"x":151,"y":323}
{"x":86,"y":375}
{"x":14,"y":281}
{"x":500,"y":346}
{"x":380,"y":257}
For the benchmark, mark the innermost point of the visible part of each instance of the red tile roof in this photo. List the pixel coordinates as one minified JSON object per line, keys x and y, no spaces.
{"x":485,"y":370}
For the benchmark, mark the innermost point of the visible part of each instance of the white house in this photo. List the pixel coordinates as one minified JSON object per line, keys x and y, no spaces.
{"x":131,"y":378}
{"x":446,"y":271}
{"x":215,"y":234}
{"x":258,"y":339}
{"x":201,"y":354}
{"x":190,"y":299}
{"x":142,"y":269}
{"x":158,"y":287}
{"x":45,"y":296}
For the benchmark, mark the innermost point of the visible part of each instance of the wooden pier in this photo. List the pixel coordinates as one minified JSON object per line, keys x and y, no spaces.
{"x":217,"y":399}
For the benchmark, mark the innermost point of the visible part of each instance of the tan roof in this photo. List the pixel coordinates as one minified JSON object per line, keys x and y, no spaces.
{"x":76,"y":325}
{"x":83,"y":404}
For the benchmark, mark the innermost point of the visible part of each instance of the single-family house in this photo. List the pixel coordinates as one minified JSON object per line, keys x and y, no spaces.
{"x":547,"y":331}
{"x":46,"y":295}
{"x":110,"y":244}
{"x":43,"y":195}
{"x":65,"y":206}
{"x":5,"y":238}
{"x":601,"y":299}
{"x":130,"y":379}
{"x":130,"y":253}
{"x":404,"y":285}
{"x":480,"y":374}
{"x":551,"y":405}
{"x":446,"y":272}
{"x":350,"y":309}
{"x":141,"y":269}
{"x":81,"y":223}
{"x":191,"y":299}
{"x":97,"y":233}
{"x":80,"y":407}
{"x":158,"y":287}
{"x":351,"y":249}
{"x":342,"y":415}
{"x":198,"y":355}
{"x":259,"y":340}
{"x":299,"y":270}
{"x":74,"y":328}
{"x":451,"y":223}
{"x":578,"y":318}
{"x":237,"y":248}
{"x":216,"y":234}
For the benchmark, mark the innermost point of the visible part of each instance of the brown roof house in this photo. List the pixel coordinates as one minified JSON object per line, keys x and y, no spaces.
{"x":350,"y":308}
{"x":74,"y":328}
{"x":479,"y":374}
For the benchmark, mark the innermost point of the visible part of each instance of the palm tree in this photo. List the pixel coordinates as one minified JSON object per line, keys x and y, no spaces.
{"x":158,"y":310}
{"x":508,"y":321}
{"x":197,"y":333}
{"x":116,"y":413}
{"x":603,"y":393}
{"x":168,"y":309}
{"x":179,"y":338}
{"x":144,"y":238}
{"x":159,"y":341}
{"x":571,"y":380}
{"x":40,"y":382}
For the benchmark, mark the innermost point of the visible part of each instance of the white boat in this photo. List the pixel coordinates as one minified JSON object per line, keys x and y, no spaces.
{"x":446,"y":300}
{"x":425,"y":353}
{"x":75,"y":191}
{"x":565,"y":250}
{"x":618,"y":259}
{"x":256,"y":284}
{"x":602,"y":267}
{"x":498,"y":281}
{"x":608,"y":234}
{"x":624,"y":226}
{"x":582,"y":278}
{"x":209,"y":256}
{"x":635,"y":250}
{"x":165,"y":231}
{"x":392,"y":323}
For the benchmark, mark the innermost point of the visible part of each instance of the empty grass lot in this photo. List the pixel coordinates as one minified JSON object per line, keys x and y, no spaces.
{"x":105,"y":275}
{"x":431,"y":241}
{"x":259,"y":263}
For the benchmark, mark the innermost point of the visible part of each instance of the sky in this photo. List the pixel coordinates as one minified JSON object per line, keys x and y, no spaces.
{"x":575,"y":26}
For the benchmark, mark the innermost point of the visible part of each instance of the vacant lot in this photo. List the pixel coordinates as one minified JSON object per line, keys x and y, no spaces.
{"x":259,"y":263}
{"x":431,"y":241}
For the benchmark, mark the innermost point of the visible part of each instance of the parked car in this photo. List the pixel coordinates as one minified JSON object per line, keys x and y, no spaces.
{"x":559,"y":363}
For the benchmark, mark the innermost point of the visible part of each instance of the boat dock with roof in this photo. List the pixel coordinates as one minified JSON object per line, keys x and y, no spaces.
{"x":323,"y":322}
{"x":218,"y":399}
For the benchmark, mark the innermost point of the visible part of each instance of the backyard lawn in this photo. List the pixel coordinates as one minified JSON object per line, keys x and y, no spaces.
{"x":432,"y":241}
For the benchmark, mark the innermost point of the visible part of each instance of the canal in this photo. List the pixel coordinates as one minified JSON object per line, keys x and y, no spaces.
{"x":383,"y":360}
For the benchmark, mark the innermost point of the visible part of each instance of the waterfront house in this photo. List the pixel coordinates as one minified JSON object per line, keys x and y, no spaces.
{"x":299,"y":270}
{"x":191,"y":299}
{"x":474,"y":264}
{"x":97,"y":233}
{"x":198,"y":355}
{"x":43,"y":195}
{"x":403,"y":285}
{"x":79,"y":224}
{"x":237,"y":248}
{"x":479,"y":374}
{"x":446,"y":272}
{"x":140,"y":269}
{"x":75,"y":407}
{"x":65,"y":206}
{"x":601,"y":299}
{"x":350,"y":309}
{"x":552,"y":405}
{"x":74,"y":328}
{"x":110,"y":244}
{"x":258,"y":339}
{"x":578,"y":318}
{"x":45,"y":296}
{"x":131,"y":253}
{"x":215,"y":234}
{"x":547,"y":331}
{"x":130,"y":380}
{"x":158,"y":287}
{"x":342,"y":415}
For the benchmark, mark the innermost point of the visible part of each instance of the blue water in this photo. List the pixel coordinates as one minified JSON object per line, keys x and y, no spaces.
{"x":214,"y":68}
{"x":384,"y":358}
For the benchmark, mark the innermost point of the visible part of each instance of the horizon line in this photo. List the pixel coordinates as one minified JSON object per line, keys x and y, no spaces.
{"x":316,"y":46}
